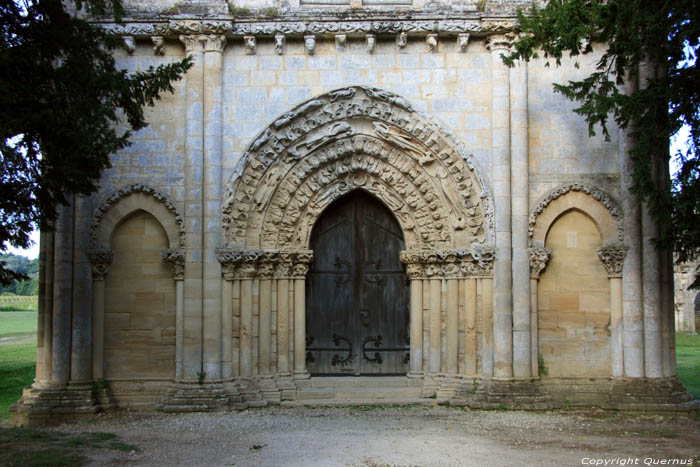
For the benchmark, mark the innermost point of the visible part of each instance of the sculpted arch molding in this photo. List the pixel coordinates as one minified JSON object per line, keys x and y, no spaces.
{"x":356,"y":138}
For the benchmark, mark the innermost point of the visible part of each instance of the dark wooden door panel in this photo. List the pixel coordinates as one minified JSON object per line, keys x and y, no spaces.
{"x":357,"y":295}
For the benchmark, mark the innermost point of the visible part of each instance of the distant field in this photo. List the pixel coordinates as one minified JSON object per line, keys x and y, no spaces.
{"x":688,"y":361}
{"x":19,"y":303}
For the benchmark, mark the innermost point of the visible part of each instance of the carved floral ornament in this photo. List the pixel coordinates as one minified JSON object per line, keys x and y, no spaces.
{"x":125,"y":191}
{"x":613,"y":258}
{"x":355,"y":138}
{"x":539,"y":257}
{"x":176,"y":259}
{"x":449,"y":264}
{"x":100,"y":260}
{"x":264,"y":264}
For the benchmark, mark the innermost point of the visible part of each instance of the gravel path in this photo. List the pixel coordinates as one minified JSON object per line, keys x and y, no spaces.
{"x":391,"y":436}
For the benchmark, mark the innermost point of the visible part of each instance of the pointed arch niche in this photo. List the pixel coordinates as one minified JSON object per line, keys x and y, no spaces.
{"x":577,"y":305}
{"x":132,"y":232}
{"x":349,"y":139}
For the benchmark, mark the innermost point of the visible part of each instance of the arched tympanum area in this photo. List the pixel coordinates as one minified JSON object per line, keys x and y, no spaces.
{"x":137,"y":254}
{"x":356,"y":138}
{"x":574,"y":301}
{"x":357,"y":317}
{"x":139,"y":313}
{"x":575,"y":233}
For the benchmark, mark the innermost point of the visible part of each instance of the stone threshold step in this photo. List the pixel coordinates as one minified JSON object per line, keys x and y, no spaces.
{"x":359,"y":381}
{"x":360,"y":402}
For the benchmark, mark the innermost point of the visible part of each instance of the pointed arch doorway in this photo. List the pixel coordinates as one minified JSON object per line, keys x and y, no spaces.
{"x":357,"y":315}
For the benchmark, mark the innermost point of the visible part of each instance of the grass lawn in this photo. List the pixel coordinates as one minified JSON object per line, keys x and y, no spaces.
{"x":17,"y":355}
{"x":688,"y":361}
{"x":16,"y":323}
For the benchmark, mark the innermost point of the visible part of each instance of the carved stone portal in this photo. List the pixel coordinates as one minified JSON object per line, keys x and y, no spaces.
{"x":356,"y":138}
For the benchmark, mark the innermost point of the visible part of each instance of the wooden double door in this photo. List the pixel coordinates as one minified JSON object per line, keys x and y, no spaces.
{"x":357,"y":312}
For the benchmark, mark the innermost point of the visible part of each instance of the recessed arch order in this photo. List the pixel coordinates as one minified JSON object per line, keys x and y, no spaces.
{"x":356,"y":138}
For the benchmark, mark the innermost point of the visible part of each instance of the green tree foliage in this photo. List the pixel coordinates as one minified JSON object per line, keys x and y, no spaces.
{"x":26,"y":267}
{"x":661,"y":37}
{"x":64,"y":108}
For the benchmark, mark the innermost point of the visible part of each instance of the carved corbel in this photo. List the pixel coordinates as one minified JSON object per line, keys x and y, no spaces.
{"x":279,"y":44}
{"x":129,"y":44}
{"x":401,"y":41}
{"x":539,"y":257}
{"x":158,"y":43}
{"x":613,"y":258}
{"x":249,"y":44}
{"x":431,"y":41}
{"x":371,"y":43}
{"x":463,"y":42}
{"x":176,"y":258}
{"x":100,"y":260}
{"x":340,"y":41}
{"x":310,"y":44}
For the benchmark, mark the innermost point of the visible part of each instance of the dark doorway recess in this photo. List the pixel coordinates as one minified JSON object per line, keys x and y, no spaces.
{"x":357,"y":317}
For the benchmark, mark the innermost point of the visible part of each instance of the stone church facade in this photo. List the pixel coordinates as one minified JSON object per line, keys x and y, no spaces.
{"x":355,"y":188}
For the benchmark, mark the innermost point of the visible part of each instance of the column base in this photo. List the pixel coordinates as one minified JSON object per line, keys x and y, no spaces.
{"x":50,"y":403}
{"x":195,"y":397}
{"x":302,"y":375}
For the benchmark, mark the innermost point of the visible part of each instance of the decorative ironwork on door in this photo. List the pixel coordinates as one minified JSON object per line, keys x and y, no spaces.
{"x":357,"y":319}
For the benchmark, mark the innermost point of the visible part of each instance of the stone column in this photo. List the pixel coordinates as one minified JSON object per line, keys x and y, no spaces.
{"x":470,"y":332}
{"x":283,"y":271}
{"x":433,"y":271}
{"x":228,"y":274}
{"x":45,"y":331}
{"x":416,"y":276}
{"x":62,"y":294}
{"x":100,"y":260}
{"x":452,"y":324}
{"x":651,"y":273}
{"x":501,"y":157}
{"x":539,"y":257}
{"x":192,"y":354}
{"x":632,"y":316}
{"x":247,"y":273}
{"x":211,"y":204}
{"x":81,"y":321}
{"x":485,"y":289}
{"x":302,"y":261}
{"x":266,"y":269}
{"x":176,"y":259}
{"x":522,"y":364}
{"x":613,"y":258}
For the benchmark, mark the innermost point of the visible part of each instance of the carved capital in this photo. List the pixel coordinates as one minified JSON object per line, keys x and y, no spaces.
{"x":538,"y":260}
{"x":100,"y":260}
{"x":500,"y":43}
{"x":215,"y":43}
{"x":301,"y":261}
{"x":415,"y":271}
{"x":193,"y":44}
{"x":451,"y":264}
{"x":176,"y":258}
{"x":613,"y":258}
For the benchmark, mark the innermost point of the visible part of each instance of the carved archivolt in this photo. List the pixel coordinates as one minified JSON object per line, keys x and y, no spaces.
{"x":449,"y":264}
{"x":355,"y":138}
{"x":123,"y":192}
{"x":598,"y":195}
